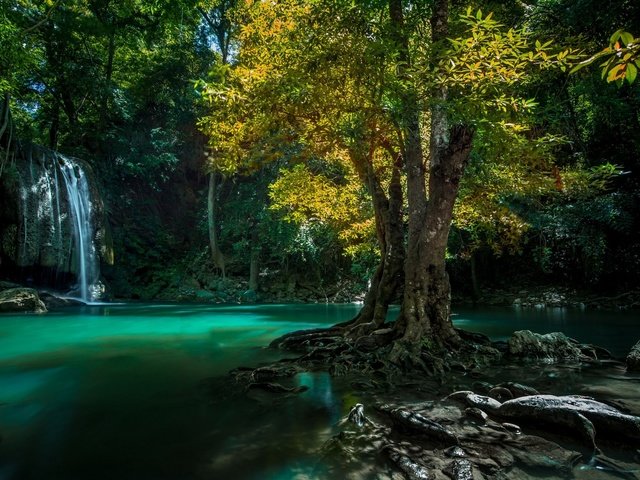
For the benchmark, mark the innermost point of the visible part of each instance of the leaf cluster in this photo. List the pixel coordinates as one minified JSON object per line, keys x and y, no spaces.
{"x":621,"y":58}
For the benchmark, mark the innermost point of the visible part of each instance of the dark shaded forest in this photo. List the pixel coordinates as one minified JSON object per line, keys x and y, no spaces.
{"x":203,"y":203}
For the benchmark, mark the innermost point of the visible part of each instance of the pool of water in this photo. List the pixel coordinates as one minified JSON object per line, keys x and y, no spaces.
{"x":141,"y":392}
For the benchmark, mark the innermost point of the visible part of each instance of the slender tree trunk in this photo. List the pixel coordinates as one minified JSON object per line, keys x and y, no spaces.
{"x":253,"y":271}
{"x":475,"y":285}
{"x":414,"y":285}
{"x":4,"y":114}
{"x":255,"y":258}
{"x":388,"y":277}
{"x":216,"y":255}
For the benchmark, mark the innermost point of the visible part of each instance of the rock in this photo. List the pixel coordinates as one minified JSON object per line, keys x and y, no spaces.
{"x":357,"y":416}
{"x":205,"y":296}
{"x":459,"y":469}
{"x":7,"y":285}
{"x":519,"y":390}
{"x":486,"y":404}
{"x":249,"y":296}
{"x":51,"y":301}
{"x":511,"y":427}
{"x":549,"y":347}
{"x":580,"y":415}
{"x":412,"y":469}
{"x":21,"y":300}
{"x":501,"y":394}
{"x":455,"y":452}
{"x":477,"y":414}
{"x":536,"y":453}
{"x":411,"y":421}
{"x":482,"y":387}
{"x":633,"y":359}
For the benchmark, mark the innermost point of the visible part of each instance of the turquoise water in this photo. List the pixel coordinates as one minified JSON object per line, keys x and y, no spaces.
{"x":141,"y":392}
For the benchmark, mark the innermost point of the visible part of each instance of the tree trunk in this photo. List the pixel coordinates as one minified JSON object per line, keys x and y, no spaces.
{"x":427,"y":306}
{"x":216,"y":255}
{"x":414,"y":286}
{"x":255,"y":257}
{"x":388,"y":277}
{"x":4,"y":114}
{"x":253,"y":271}
{"x":475,"y":284}
{"x":425,"y":313}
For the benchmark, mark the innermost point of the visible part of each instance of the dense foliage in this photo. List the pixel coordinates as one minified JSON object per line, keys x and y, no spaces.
{"x":304,"y":111}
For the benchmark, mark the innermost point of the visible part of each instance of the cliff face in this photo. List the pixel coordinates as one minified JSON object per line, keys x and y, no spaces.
{"x":52,"y":226}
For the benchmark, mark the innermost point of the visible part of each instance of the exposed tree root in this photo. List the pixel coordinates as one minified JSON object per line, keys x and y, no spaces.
{"x":338,"y":351}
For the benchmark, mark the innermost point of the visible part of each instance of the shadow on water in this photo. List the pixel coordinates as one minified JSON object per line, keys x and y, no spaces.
{"x":141,"y":392}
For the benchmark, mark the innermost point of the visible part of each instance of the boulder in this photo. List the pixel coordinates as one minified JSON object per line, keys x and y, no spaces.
{"x":633,"y":359}
{"x":581,"y":416}
{"x":549,"y":347}
{"x":21,"y":300}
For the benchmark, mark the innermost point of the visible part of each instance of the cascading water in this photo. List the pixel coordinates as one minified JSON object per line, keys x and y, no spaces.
{"x":57,"y":229}
{"x":79,"y":200}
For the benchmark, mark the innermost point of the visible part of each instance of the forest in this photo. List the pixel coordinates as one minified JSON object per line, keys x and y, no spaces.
{"x":411,"y":162}
{"x":221,"y":152}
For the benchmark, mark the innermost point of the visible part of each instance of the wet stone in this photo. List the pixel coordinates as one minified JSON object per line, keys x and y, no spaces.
{"x":412,"y":469}
{"x":476,"y":414}
{"x":460,"y":469}
{"x":455,"y":452}
{"x":511,"y":427}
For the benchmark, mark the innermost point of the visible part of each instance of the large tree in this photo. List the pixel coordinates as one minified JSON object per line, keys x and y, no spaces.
{"x":380,"y":86}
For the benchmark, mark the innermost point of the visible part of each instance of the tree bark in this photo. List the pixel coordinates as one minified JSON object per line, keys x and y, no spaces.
{"x":388,"y":278}
{"x":425,"y":314}
{"x":216,"y":255}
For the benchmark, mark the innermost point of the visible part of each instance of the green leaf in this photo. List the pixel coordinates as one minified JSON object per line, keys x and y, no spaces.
{"x":615,"y":36}
{"x":479,"y":15}
{"x":538,"y":45}
{"x":632,"y":72}
{"x":626,"y":37}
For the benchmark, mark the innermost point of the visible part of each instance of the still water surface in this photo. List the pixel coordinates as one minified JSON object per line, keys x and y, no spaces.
{"x":141,"y":392}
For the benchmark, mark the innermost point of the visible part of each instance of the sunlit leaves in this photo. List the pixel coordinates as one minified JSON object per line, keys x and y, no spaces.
{"x":621,"y":58}
{"x":485,"y":69}
{"x":302,"y":196}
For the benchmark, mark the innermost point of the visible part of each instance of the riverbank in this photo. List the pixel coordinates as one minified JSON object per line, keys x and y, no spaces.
{"x":277,"y":291}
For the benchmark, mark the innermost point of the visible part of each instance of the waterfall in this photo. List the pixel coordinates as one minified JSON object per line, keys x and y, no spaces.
{"x":57,"y":235}
{"x":79,"y":199}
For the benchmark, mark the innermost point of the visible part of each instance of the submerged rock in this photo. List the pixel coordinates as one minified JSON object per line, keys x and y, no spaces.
{"x":52,"y":301}
{"x":550,"y":347}
{"x":633,"y":359}
{"x":21,"y":300}
{"x":276,"y":387}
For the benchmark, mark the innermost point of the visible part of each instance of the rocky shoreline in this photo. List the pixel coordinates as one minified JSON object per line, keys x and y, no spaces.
{"x":474,"y":423}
